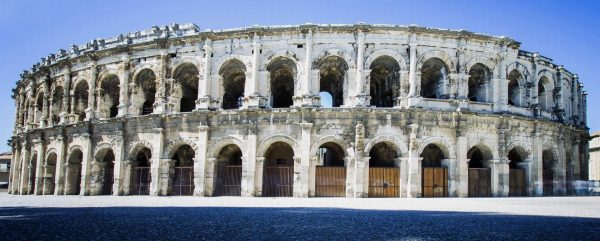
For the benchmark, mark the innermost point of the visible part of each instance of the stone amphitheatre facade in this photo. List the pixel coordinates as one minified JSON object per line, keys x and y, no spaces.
{"x":308,"y":110}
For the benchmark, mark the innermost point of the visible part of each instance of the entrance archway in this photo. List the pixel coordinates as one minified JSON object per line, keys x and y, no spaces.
{"x":183,"y":171}
{"x":278,"y":174}
{"x":49,"y":174}
{"x":517,"y":173}
{"x":228,"y":181}
{"x":330,"y":173}
{"x":434,"y":181}
{"x":32,"y":176}
{"x":73,"y":173}
{"x":104,"y":172}
{"x":479,"y":172}
{"x":548,"y":172}
{"x":384,"y":171}
{"x":141,"y":175}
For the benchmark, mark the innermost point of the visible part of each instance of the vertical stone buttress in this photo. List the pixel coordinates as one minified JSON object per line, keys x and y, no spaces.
{"x":89,"y":112}
{"x":201,"y":161}
{"x":39,"y":167}
{"x":304,"y":156}
{"x":59,"y":174}
{"x":204,"y":97}
{"x":249,"y":179}
{"x":361,"y":97}
{"x":124,"y":90}
{"x":65,"y":101}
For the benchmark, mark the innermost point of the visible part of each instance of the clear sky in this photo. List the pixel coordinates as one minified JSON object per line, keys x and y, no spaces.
{"x":566,"y":31}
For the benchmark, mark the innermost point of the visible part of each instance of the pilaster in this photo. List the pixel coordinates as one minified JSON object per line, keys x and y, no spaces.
{"x":201,"y":161}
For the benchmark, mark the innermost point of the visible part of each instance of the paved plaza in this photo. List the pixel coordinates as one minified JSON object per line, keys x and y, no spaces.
{"x":238,"y":218}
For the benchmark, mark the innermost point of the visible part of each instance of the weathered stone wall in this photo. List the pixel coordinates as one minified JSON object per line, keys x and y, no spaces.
{"x":134,"y":91}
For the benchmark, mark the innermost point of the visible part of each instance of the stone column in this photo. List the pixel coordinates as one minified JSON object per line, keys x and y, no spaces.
{"x":24,"y":179}
{"x":160,"y":100}
{"x":200,"y":162}
{"x":120,"y":164}
{"x":89,"y":112}
{"x":499,"y":172}
{"x":461,"y":186}
{"x":65,"y":100}
{"x":412,"y":78}
{"x":249,"y":166}
{"x":537,"y":170}
{"x":527,"y":166}
{"x":304,"y":156}
{"x":361,"y":98}
{"x":500,"y":84}
{"x":258,"y":175}
{"x":204,"y":98}
{"x":403,"y":164}
{"x":13,"y":179}
{"x":128,"y":171}
{"x":39,"y":167}
{"x":414,"y":164}
{"x":252,"y":97}
{"x":155,"y":166}
{"x":166,"y":172}
{"x":304,"y":95}
{"x":59,"y":175}
{"x":44,"y":107}
{"x":124,"y":90}
{"x":560,"y":169}
{"x":86,"y":165}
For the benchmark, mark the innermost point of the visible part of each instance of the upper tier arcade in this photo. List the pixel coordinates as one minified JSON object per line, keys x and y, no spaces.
{"x":180,"y":68}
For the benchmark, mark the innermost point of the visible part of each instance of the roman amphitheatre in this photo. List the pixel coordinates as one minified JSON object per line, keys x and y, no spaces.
{"x":308,"y":110}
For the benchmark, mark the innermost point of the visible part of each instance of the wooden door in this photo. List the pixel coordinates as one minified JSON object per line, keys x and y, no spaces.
{"x":183,"y":181}
{"x":435,"y":182}
{"x":479,"y":182}
{"x":384,"y":182}
{"x":229,"y":181}
{"x":517,"y":183}
{"x":278,"y":181}
{"x":330,"y":182}
{"x":141,"y":181}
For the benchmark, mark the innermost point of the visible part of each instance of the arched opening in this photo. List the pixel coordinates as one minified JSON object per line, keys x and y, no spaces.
{"x":281,"y":73}
{"x":81,"y":99}
{"x":278,"y":175}
{"x":479,"y":173}
{"x":144,"y":92}
{"x":330,"y":173}
{"x":228,"y":181}
{"x":141,"y":175}
{"x":32,"y":176}
{"x":49,"y":174}
{"x":434,"y":181}
{"x":515,"y":78}
{"x":548,"y":172}
{"x":73,"y":173}
{"x":384,"y":82}
{"x":108,"y":104}
{"x":183,"y":171}
{"x":332,"y":75}
{"x":480,"y":77}
{"x":39,"y":105}
{"x":545,"y":96}
{"x":434,"y":73}
{"x":105,"y":172}
{"x":326,"y":100}
{"x":233,"y":73}
{"x":186,"y":87}
{"x":517,"y":172}
{"x":384,"y":171}
{"x":57,"y":104}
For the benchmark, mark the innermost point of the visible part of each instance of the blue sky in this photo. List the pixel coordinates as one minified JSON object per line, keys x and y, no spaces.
{"x":566,"y":31}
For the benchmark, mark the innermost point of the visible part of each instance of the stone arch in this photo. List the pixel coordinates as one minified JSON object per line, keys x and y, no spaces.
{"x":50,"y":151}
{"x":485,"y":144}
{"x":218,"y":144}
{"x":220,"y":61}
{"x":233,"y":75}
{"x":105,"y":74}
{"x":436,"y":54}
{"x":550,"y":76}
{"x":523,"y":70}
{"x":333,"y":76}
{"x":73,"y":148}
{"x":137,"y":146}
{"x":108,"y":96}
{"x":395,"y":141}
{"x":522,"y":145}
{"x":101,"y":149}
{"x":271,"y":55}
{"x":345,"y":145}
{"x":174,"y":145}
{"x":184,"y":90}
{"x":386,"y":52}
{"x":487,"y":153}
{"x":383,"y":81}
{"x":487,"y":62}
{"x":141,"y":67}
{"x":441,"y":143}
{"x":350,"y":62}
{"x":143,"y":93}
{"x":177,"y":63}
{"x":282,"y":79}
{"x":267,"y":142}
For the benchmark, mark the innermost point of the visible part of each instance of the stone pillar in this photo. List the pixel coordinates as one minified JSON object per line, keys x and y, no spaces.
{"x":361,"y":98}
{"x":461,"y":185}
{"x":305,"y":161}
{"x":24,"y":179}
{"x":160,"y":100}
{"x":14,"y":170}
{"x":204,"y":98}
{"x":249,"y":179}
{"x":86,"y":166}
{"x":200,"y":162}
{"x":252,"y":97}
{"x":258,"y":175}
{"x":39,"y":168}
{"x":304,"y":95}
{"x":128,"y":171}
{"x":120,"y":164}
{"x":403,"y":164}
{"x":124,"y":90}
{"x":65,"y":100}
{"x":89,"y":112}
{"x":537,"y":170}
{"x":527,"y":166}
{"x":560,"y":169}
{"x":44,"y":107}
{"x":166,"y":172}
{"x":412,"y":78}
{"x":59,"y":175}
{"x":500,"y":84}
{"x":499,"y":174}
{"x":155,"y":166}
{"x":414,"y":164}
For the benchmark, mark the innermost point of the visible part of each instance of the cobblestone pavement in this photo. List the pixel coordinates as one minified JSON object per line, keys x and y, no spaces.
{"x":230,"y":223}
